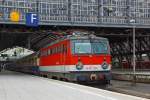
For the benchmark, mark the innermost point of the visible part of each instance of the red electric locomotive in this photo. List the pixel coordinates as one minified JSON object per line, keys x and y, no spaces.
{"x":78,"y":58}
{"x":84,"y":58}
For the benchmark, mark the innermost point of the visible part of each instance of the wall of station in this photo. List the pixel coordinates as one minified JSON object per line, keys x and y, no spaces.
{"x":80,"y":12}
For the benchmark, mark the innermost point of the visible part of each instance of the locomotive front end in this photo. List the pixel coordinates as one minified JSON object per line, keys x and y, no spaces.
{"x":92,"y":59}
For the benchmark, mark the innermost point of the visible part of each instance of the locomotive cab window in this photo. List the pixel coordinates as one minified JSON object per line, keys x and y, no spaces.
{"x":100,"y":47}
{"x":90,"y":46}
{"x":82,"y":48}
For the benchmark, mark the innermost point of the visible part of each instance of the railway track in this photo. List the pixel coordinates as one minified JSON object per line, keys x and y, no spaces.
{"x":126,"y":87}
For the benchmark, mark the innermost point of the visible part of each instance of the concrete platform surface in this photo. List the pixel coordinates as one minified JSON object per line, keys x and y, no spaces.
{"x":17,"y":86}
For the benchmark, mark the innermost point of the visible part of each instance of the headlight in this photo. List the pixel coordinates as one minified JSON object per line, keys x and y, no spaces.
{"x":79,"y":66}
{"x":105,"y":65}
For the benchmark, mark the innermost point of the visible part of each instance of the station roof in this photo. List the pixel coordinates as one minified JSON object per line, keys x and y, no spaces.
{"x":17,"y":35}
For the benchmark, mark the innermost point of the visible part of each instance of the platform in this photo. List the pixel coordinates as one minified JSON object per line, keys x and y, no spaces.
{"x":17,"y":86}
{"x":127,"y":75}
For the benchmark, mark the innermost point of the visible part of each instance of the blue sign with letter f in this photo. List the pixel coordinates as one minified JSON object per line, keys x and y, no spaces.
{"x":32,"y":19}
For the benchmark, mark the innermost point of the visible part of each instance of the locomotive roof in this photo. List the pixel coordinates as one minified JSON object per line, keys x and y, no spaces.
{"x":86,"y":37}
{"x":77,"y":37}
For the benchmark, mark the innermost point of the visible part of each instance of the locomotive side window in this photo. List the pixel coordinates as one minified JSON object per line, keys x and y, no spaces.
{"x":49,"y":51}
{"x":59,"y":49}
{"x":46,"y":52}
{"x":55,"y":51}
{"x":52,"y":50}
{"x":64,"y":49}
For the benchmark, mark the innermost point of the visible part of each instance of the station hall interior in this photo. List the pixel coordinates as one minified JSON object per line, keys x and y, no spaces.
{"x":67,"y":43}
{"x":20,"y":41}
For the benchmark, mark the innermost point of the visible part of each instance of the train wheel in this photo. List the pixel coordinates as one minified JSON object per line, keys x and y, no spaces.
{"x":43,"y":75}
{"x":55,"y":77}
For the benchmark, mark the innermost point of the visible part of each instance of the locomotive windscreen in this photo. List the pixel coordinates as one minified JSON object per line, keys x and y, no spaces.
{"x":83,"y":47}
{"x":90,"y":47}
